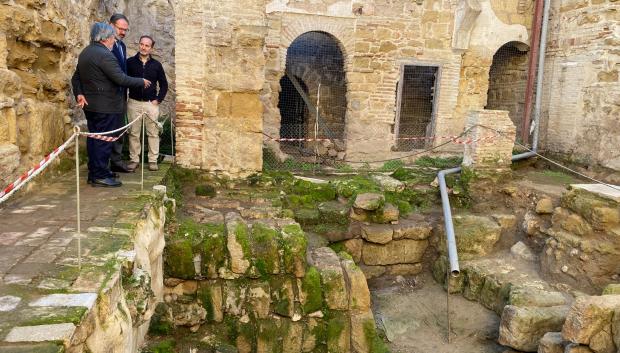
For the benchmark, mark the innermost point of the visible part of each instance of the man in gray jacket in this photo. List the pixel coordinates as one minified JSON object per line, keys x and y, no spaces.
{"x":96,"y":83}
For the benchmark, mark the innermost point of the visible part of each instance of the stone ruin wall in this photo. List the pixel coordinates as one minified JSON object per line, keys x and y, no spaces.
{"x":39,"y":44}
{"x":218,"y":60}
{"x":581,"y":99}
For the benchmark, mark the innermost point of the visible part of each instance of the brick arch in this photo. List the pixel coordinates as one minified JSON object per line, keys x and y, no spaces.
{"x":340,"y":33}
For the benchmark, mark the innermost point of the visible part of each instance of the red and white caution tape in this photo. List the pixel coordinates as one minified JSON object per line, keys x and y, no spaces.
{"x":102,"y":135}
{"x":455,"y":139}
{"x":34,"y":171}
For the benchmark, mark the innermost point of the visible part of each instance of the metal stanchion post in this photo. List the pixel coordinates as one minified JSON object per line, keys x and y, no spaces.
{"x":77,"y":191}
{"x":142,"y":153}
{"x":448,"y":303}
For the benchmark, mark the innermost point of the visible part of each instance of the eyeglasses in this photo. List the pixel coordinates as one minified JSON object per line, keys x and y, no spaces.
{"x":121,"y":28}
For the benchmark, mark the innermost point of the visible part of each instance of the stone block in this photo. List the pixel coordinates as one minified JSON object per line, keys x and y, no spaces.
{"x":282,"y":296}
{"x":338,"y":332}
{"x":523,"y":251}
{"x":354,"y":248}
{"x":210,"y":294}
{"x":404,"y":269}
{"x":475,"y":236}
{"x":334,"y":212}
{"x":551,"y":342}
{"x":293,"y":339}
{"x":377,"y":233}
{"x":531,"y":297}
{"x":601,"y":212}
{"x":570,"y":222}
{"x":238,"y":243}
{"x":264,"y":247}
{"x":294,"y":246}
{"x":360,"y":323}
{"x":544,"y":206}
{"x":589,"y":316}
{"x":258,"y":301}
{"x":577,"y":348}
{"x":359,"y":295}
{"x":9,"y":161}
{"x":369,"y":201}
{"x":412,"y":229}
{"x":395,"y":252}
{"x":41,"y":333}
{"x":332,"y":278}
{"x":522,"y":327}
{"x":387,"y":183}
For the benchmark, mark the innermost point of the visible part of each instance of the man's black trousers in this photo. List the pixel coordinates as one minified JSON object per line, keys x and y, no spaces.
{"x":99,"y":151}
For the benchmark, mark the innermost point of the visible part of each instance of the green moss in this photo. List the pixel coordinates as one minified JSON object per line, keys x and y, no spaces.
{"x":57,"y":316}
{"x":311,"y":286}
{"x":307,"y":216}
{"x":178,"y":260}
{"x":334,"y":212}
{"x":205,"y":297}
{"x":166,"y":346}
{"x":205,"y":190}
{"x":391,"y":166}
{"x":338,"y":247}
{"x":335,"y":326}
{"x":349,"y":188}
{"x":242,"y":237}
{"x":345,"y":255}
{"x":315,"y":192}
{"x":375,"y":343}
{"x":294,"y":247}
{"x":264,"y":243}
{"x":438,"y":162}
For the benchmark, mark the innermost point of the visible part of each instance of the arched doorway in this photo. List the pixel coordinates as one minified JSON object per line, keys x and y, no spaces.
{"x":508,"y":80}
{"x":293,"y":112}
{"x":315,"y":72}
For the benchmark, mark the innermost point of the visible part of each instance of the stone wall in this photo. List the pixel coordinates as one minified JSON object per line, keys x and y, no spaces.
{"x":376,"y":39}
{"x":38,"y":45}
{"x":219,"y":73}
{"x":247,"y":284}
{"x":583,"y":246}
{"x":581,"y":97}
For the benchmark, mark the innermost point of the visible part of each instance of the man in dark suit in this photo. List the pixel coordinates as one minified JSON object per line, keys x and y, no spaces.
{"x":120,"y":23}
{"x":96,"y":85}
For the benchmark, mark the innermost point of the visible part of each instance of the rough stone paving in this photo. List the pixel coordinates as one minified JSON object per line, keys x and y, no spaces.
{"x":43,"y":294}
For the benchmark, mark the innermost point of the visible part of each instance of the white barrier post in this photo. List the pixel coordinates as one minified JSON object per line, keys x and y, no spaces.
{"x":142,"y":153}
{"x":77,"y":190}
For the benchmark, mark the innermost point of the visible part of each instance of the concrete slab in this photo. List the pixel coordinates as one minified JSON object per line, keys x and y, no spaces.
{"x":80,"y":299}
{"x":607,"y":191}
{"x":30,"y":348}
{"x":41,"y":333}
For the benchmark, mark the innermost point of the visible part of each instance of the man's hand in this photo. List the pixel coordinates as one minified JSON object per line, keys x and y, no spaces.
{"x":147,"y":83}
{"x":155,"y":102}
{"x":81,"y":101}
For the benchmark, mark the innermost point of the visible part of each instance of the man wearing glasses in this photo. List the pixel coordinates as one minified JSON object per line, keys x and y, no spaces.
{"x":120,"y":23}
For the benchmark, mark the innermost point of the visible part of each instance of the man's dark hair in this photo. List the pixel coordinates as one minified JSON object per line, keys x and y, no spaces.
{"x":149,"y":37}
{"x":118,"y":16}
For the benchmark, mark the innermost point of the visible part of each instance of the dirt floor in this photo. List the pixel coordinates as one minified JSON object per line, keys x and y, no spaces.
{"x":412,"y":312}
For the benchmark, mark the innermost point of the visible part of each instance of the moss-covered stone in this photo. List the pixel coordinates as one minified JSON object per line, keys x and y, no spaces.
{"x":375,"y":343}
{"x":282,"y":296}
{"x":312,"y":291}
{"x":205,"y":190}
{"x":338,"y":332}
{"x":160,"y":324}
{"x":213,"y":249}
{"x":269,"y":336}
{"x":307,"y":216}
{"x":334,"y":212}
{"x":209,"y":294}
{"x":264,"y":247}
{"x":294,"y":245}
{"x":178,"y":259}
{"x":166,"y":346}
{"x":351,"y":187}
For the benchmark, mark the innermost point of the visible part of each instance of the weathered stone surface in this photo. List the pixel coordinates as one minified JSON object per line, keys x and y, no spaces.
{"x":404,"y":269}
{"x":412,"y":229}
{"x":338,"y":332}
{"x":395,"y":252}
{"x":390,"y":214}
{"x":294,"y":245}
{"x":332,"y":278}
{"x":523,"y":251}
{"x":570,"y":222}
{"x":82,"y":299}
{"x":369,"y":201}
{"x":209,"y":293}
{"x":523,"y":327}
{"x":551,"y":342}
{"x":188,"y":314}
{"x":544,"y":206}
{"x":359,"y":334}
{"x":612,"y":289}
{"x":41,"y":333}
{"x":259,"y":299}
{"x":359,"y":295}
{"x":373,"y":271}
{"x":354,"y":248}
{"x":234,"y":298}
{"x":475,"y":236}
{"x":577,"y":348}
{"x":601,"y":213}
{"x":377,"y":233}
{"x":388,"y":183}
{"x":334,"y":212}
{"x":9,"y":161}
{"x":589,"y":316}
{"x":237,"y":243}
{"x":9,"y":302}
{"x":205,"y":215}
{"x":293,"y":339}
{"x":524,"y":296}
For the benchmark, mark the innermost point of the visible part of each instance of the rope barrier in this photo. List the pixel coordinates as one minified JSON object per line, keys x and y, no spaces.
{"x":34,"y":171}
{"x":91,"y":134}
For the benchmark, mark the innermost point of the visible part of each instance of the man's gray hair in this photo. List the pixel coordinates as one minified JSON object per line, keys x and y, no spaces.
{"x":101,"y":31}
